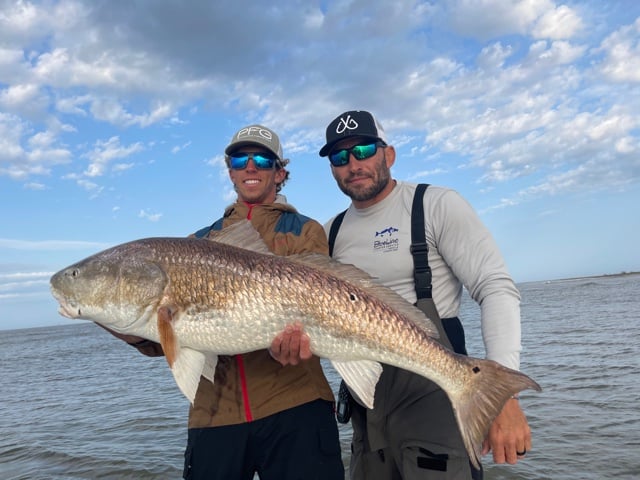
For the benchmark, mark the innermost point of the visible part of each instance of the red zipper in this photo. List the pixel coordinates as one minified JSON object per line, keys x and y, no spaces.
{"x":243,"y":387}
{"x":240,"y":360}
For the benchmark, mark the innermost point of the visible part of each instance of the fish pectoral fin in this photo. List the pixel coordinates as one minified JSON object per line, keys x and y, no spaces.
{"x":186,"y":369}
{"x":209,"y":370}
{"x":361,"y":376}
{"x":186,"y":364}
{"x":168,"y":338}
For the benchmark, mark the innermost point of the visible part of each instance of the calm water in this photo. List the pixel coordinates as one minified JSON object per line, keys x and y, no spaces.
{"x":77,"y":404}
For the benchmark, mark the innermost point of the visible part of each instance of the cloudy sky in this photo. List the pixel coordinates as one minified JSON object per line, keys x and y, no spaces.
{"x":114,"y":115}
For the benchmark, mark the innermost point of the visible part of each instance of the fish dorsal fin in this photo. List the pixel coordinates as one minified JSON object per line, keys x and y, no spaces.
{"x":241,"y":234}
{"x":359,"y":278}
{"x":361,"y":376}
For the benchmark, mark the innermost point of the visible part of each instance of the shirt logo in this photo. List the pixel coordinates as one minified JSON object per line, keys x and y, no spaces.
{"x":387,"y":231}
{"x":386,"y":240}
{"x":348,"y":124}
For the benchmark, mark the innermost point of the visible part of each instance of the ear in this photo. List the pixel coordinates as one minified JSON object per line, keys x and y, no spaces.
{"x":281,"y":174}
{"x":390,"y":155}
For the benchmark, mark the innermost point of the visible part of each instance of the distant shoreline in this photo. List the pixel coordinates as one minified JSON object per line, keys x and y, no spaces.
{"x":605,"y":275}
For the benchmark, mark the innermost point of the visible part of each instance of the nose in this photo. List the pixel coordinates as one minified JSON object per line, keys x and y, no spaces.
{"x":251,"y":165}
{"x":354,"y":163}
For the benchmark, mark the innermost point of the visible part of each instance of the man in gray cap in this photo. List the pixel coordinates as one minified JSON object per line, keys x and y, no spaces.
{"x":260,"y":416}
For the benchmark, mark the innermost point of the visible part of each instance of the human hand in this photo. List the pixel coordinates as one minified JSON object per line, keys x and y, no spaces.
{"x":291,"y":346}
{"x":509,"y":437}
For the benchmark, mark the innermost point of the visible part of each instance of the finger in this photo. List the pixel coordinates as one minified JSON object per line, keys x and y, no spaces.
{"x":521,"y":452}
{"x":499,"y":455}
{"x":486,"y":447}
{"x":285,"y":350}
{"x":305,"y":347}
{"x":294,"y":348}
{"x":511,"y":457}
{"x":276,"y":345}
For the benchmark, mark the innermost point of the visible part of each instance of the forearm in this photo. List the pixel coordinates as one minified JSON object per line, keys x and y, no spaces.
{"x":144,"y":346}
{"x":501,"y":330}
{"x":148,"y":347}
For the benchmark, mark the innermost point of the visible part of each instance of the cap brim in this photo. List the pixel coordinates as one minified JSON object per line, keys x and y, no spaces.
{"x":235,"y":146}
{"x":324,"y":151}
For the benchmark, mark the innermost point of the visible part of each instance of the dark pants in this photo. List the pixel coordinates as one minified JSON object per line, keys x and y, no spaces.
{"x":300,"y":443}
{"x":434,"y":453}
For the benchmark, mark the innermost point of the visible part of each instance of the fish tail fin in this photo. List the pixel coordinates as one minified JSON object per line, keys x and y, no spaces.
{"x":482,"y":399}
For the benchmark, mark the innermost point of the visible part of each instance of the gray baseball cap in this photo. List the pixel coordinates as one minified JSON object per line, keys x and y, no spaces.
{"x":256,"y":135}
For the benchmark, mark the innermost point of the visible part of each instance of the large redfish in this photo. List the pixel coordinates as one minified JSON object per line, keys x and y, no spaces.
{"x":202,"y":298}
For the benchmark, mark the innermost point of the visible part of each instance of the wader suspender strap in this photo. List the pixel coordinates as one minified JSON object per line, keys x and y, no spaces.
{"x":419,"y":248}
{"x":421,"y":269}
{"x":333,"y":231}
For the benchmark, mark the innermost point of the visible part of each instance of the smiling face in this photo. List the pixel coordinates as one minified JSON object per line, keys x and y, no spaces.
{"x":366,"y":181}
{"x":256,"y":185}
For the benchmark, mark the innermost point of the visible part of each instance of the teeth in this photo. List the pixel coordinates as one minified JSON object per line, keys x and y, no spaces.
{"x":252,"y":182}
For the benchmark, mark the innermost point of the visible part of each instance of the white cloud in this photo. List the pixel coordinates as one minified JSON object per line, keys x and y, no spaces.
{"x":179,"y":148}
{"x":560,"y":23}
{"x":47,"y":245}
{"x":105,"y":152}
{"x":487,"y":19}
{"x":35,"y":186}
{"x":152,"y":217}
{"x":622,"y":54}
{"x":528,"y":100}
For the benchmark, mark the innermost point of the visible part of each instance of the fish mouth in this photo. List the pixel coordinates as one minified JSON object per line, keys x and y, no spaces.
{"x":68,"y":312}
{"x":65,"y":308}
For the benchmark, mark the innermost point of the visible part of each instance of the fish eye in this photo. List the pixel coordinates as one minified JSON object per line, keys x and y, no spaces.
{"x":75,"y":272}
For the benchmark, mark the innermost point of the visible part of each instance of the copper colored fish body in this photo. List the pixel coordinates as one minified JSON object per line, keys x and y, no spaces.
{"x":231,"y":295}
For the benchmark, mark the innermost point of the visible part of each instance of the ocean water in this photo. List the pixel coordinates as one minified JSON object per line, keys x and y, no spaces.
{"x":75,"y":403}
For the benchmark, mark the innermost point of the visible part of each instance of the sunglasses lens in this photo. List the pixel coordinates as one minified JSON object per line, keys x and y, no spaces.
{"x":364,"y":151}
{"x":339,"y":158}
{"x":360,"y":152}
{"x":238,"y":162}
{"x":263,"y":161}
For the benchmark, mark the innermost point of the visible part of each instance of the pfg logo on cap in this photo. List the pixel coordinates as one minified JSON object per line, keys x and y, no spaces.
{"x":255,"y":131}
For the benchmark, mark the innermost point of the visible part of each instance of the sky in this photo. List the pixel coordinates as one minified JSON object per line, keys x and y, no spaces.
{"x":114,"y":116}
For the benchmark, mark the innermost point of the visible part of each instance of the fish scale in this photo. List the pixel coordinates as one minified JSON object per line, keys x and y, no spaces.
{"x":201,"y":298}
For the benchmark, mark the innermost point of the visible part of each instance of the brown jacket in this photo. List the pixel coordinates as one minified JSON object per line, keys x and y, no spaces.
{"x":253,"y":385}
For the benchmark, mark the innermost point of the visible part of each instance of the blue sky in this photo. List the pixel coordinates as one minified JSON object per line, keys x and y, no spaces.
{"x":114,"y":116}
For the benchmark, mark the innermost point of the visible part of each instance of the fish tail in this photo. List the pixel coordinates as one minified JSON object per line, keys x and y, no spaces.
{"x":482,"y":399}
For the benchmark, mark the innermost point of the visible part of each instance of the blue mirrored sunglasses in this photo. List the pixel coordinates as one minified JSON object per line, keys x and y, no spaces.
{"x":340,"y":158}
{"x":263,"y":161}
